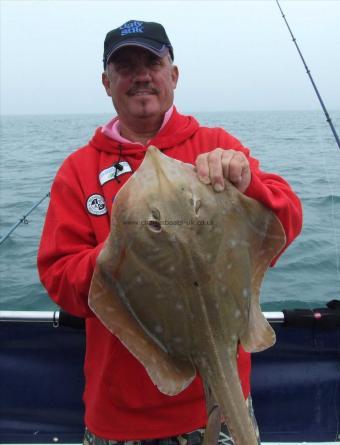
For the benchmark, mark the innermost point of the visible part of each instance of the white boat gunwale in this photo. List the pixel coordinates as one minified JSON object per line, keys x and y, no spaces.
{"x":54,"y":316}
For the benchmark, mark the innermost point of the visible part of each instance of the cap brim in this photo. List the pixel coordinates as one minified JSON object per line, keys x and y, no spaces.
{"x":160,"y":51}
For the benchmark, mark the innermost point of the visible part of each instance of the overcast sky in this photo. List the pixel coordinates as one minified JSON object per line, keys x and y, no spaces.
{"x":232,"y":55}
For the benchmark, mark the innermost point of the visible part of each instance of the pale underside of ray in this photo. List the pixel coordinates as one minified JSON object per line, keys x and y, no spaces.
{"x":179,"y":277}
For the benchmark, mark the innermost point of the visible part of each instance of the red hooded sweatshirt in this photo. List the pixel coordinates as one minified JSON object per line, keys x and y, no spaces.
{"x":121,"y":401}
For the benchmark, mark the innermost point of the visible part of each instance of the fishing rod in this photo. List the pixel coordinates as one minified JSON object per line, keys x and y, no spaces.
{"x":329,"y":120}
{"x":23,"y":219}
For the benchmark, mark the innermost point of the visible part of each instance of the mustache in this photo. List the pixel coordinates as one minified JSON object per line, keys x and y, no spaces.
{"x":147,"y":88}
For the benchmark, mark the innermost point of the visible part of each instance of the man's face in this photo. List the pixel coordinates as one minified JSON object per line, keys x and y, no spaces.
{"x":140,"y":83}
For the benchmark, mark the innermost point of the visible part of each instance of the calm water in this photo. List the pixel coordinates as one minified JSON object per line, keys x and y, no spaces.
{"x":297,"y":145}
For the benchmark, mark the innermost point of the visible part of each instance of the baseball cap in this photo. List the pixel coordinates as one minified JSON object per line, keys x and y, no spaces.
{"x":148,"y":35}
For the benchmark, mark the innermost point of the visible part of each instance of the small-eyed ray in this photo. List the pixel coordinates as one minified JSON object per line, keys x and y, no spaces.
{"x":178,"y":282}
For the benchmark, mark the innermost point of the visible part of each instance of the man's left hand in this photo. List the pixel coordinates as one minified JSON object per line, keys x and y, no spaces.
{"x":219,"y":164}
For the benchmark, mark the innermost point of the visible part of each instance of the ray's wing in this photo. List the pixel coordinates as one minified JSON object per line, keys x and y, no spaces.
{"x":266,"y":239}
{"x":169,"y":375}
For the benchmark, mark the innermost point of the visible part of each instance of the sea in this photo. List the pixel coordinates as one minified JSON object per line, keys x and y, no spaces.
{"x":297,"y":145}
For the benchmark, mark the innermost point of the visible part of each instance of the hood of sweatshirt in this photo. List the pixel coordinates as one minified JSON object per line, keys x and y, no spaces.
{"x":177,"y":130}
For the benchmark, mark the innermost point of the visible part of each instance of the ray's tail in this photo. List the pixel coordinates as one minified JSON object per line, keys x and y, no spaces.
{"x":227,"y":393}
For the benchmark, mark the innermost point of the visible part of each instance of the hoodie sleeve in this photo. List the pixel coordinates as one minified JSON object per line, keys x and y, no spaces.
{"x":69,"y":246}
{"x":273,"y":192}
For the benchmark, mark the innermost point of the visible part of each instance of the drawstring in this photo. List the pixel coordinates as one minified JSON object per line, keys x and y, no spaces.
{"x":117,"y":165}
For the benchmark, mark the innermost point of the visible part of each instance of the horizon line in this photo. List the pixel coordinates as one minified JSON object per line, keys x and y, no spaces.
{"x":184,"y":112}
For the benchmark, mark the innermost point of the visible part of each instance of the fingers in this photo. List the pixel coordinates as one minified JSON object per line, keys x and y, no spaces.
{"x":202,"y":168}
{"x":216,"y":166}
{"x":236,"y":167}
{"x":209,"y":169}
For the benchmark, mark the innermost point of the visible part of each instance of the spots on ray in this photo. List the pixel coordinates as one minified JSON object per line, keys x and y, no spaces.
{"x":179,"y":306}
{"x":217,"y":230}
{"x":245,"y":243}
{"x":246,"y":292}
{"x":204,"y":361}
{"x":158,"y":329}
{"x":232,"y":243}
{"x":173,"y":238}
{"x":177,"y":340}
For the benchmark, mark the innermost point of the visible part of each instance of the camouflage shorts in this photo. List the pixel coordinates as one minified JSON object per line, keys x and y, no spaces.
{"x":193,"y":438}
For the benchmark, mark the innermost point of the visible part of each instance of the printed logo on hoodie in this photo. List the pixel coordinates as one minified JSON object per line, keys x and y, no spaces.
{"x":96,"y":205}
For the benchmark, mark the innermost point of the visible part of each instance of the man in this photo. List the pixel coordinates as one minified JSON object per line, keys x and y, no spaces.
{"x":121,"y":402}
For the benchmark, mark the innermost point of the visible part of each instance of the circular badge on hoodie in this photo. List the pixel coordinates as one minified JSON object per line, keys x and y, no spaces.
{"x":96,"y":205}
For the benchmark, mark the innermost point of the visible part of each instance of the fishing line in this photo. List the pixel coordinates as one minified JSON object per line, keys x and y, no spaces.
{"x":23,"y":219}
{"x":328,"y":119}
{"x":332,"y":195}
